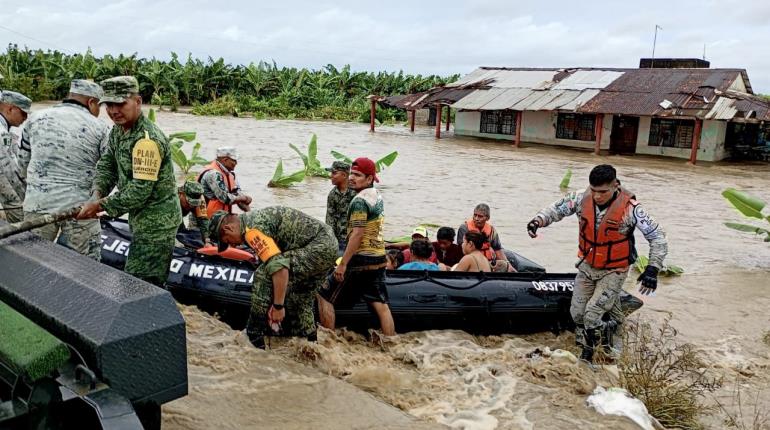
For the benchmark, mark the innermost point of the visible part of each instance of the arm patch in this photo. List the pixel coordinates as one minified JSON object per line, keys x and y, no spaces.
{"x":146,"y":159}
{"x":262,"y":244}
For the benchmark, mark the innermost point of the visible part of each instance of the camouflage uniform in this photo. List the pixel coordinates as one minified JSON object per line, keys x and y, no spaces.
{"x":214,"y":187}
{"x":597,"y":290}
{"x":337,"y":204}
{"x":60,"y":147}
{"x":153,"y":208}
{"x":283,"y":237}
{"x":12,"y":186}
{"x":198,"y":219}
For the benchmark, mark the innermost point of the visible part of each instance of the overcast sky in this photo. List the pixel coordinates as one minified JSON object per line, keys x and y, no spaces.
{"x":415,"y":36}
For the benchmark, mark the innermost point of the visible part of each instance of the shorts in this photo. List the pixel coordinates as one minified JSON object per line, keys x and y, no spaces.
{"x":364,"y":281}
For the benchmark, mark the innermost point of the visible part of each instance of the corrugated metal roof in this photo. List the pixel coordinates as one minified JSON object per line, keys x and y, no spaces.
{"x":581,"y":99}
{"x":588,"y":79}
{"x":478,"y":99}
{"x":508,"y":98}
{"x":724,"y":108}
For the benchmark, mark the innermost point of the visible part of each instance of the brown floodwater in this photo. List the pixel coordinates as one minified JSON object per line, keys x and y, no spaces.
{"x":721,"y":304}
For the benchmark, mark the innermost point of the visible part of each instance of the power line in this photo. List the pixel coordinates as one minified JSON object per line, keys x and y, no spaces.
{"x":36,"y":40}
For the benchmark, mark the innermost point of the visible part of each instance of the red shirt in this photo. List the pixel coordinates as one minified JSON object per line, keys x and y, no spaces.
{"x":450,"y":257}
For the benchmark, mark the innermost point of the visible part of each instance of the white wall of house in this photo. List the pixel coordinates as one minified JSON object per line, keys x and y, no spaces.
{"x":538,"y":127}
{"x":711,"y":148}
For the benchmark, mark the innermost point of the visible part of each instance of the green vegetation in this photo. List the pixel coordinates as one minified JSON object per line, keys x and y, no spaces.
{"x":185,"y":163}
{"x":281,"y":181}
{"x":214,"y":87}
{"x":312,"y":165}
{"x":379,"y":165}
{"x":667,"y":270}
{"x":750,"y":207}
{"x":564,"y":184}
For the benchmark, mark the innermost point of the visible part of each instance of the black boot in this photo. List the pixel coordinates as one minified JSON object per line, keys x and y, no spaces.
{"x":593,"y":337}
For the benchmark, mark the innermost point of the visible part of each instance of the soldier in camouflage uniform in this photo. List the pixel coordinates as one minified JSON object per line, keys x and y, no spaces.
{"x":296,"y":252}
{"x":608,"y":216}
{"x":220,"y":187}
{"x":14,"y":108}
{"x":192,"y":203}
{"x":138,"y":161}
{"x":338,"y":201}
{"x":60,"y":147}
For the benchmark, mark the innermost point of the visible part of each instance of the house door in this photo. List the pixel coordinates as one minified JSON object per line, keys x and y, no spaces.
{"x":624,"y":131}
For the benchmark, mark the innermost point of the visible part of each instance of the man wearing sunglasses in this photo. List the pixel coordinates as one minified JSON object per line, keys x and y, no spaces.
{"x":608,"y":216}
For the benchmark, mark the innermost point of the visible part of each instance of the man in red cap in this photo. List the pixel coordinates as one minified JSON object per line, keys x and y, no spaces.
{"x":361,"y":271}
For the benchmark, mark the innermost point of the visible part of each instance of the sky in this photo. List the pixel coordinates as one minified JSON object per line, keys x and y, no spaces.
{"x":425,"y":37}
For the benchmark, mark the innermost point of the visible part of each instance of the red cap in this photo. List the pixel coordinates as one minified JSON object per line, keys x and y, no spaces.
{"x":365,"y":166}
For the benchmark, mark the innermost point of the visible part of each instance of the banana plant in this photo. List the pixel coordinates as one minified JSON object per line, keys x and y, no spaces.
{"x":281,"y":181}
{"x":564,"y":184}
{"x":311,"y":162}
{"x":379,"y":165}
{"x":750,"y":207}
{"x":667,"y":270}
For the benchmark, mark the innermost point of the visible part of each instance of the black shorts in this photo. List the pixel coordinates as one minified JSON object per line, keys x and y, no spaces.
{"x":364,"y":281}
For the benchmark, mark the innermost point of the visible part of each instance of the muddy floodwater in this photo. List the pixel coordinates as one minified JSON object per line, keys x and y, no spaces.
{"x":721,"y":304}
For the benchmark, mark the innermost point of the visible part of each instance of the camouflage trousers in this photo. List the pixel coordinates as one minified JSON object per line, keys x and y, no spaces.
{"x":81,"y":236}
{"x":13,"y":212}
{"x":308,"y":268}
{"x":597,"y":292}
{"x":149,"y":257}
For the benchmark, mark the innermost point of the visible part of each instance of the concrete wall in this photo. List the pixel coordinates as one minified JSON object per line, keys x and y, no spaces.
{"x":538,"y":127}
{"x":712,"y":143}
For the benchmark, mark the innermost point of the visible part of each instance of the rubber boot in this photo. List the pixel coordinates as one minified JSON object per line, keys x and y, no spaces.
{"x":592,"y":339}
{"x":580,"y":335}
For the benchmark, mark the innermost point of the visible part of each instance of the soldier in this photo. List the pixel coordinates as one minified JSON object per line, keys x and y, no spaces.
{"x":14,"y":108}
{"x":60,"y":147}
{"x":338,"y":201}
{"x":608,"y":216}
{"x":192,"y":203}
{"x":296,"y":252}
{"x":138,"y":161}
{"x":220,"y":187}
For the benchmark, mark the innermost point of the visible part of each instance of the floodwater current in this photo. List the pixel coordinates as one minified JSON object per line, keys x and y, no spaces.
{"x":720,"y":304}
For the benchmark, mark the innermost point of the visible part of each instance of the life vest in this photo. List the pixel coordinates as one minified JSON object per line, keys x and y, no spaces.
{"x":605,"y":247}
{"x":486,"y":249}
{"x":213,"y":205}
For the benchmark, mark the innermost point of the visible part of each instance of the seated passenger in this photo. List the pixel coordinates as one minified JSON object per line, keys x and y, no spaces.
{"x":474,"y":259}
{"x":444,"y":249}
{"x":421,"y":251}
{"x":419,"y":233}
{"x":492,"y":248}
{"x":394,"y":259}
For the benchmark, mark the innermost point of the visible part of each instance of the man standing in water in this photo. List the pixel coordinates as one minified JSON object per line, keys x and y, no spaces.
{"x":296,"y":252}
{"x":608,"y":216}
{"x":361,"y":273}
{"x":338,"y":201}
{"x":138,"y":161}
{"x":220,"y":188}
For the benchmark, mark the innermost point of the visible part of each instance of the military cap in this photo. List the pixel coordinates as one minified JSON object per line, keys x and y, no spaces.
{"x":227,"y":151}
{"x":86,"y":88}
{"x":338,"y":166}
{"x":16,"y":99}
{"x":193,"y":191}
{"x":214,"y":224}
{"x":118,"y":89}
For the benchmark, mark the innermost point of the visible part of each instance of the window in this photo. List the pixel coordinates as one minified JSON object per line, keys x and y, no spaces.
{"x":673,"y":133}
{"x":575,"y":126}
{"x":498,"y":122}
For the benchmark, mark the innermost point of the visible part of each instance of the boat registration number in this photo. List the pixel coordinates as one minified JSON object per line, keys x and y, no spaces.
{"x":553,"y":286}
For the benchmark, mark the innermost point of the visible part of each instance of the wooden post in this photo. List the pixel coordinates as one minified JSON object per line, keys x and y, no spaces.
{"x":696,"y":140}
{"x":438,"y":121}
{"x":411,"y":120}
{"x":598,"y":126}
{"x":518,"y":128}
{"x":372,"y":114}
{"x":448,"y":117}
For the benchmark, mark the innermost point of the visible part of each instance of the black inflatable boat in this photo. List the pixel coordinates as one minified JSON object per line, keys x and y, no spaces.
{"x":528,"y":301}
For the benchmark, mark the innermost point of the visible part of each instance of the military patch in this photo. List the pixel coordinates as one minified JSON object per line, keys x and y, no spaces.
{"x":146,"y":159}
{"x":262,"y":244}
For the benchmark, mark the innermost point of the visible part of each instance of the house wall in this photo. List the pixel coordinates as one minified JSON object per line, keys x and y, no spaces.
{"x":711,"y":148}
{"x":538,"y":127}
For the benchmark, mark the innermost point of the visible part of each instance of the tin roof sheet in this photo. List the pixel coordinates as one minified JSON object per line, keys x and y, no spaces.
{"x":588,"y":79}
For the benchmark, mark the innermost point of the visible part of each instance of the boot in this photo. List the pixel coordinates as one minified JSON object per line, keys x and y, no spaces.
{"x":580,"y":335}
{"x":593,"y":337}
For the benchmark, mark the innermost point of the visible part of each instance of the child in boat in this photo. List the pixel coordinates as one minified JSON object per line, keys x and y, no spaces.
{"x":395,"y":258}
{"x":474,"y":259}
{"x":421,"y":252}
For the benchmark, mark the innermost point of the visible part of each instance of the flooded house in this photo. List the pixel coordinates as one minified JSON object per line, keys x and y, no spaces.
{"x":667,"y":107}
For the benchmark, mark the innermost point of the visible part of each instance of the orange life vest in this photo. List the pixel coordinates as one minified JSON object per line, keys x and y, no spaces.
{"x":213,"y":205}
{"x":487,"y":247}
{"x":605,"y":247}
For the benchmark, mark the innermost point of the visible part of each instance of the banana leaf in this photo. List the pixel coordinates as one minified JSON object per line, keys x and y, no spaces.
{"x":151,"y":115}
{"x":386,"y":161}
{"x":187,"y":136}
{"x":668,"y":270}
{"x":565,"y":180}
{"x":340,"y":156}
{"x":281,"y":181}
{"x":748,"y":205}
{"x":301,"y":155}
{"x":747,"y":228}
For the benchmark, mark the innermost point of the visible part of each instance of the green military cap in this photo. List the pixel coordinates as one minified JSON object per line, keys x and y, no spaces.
{"x":193,"y":191}
{"x":118,"y":89}
{"x":16,"y":99}
{"x":337,"y":166}
{"x":214,"y":224}
{"x":86,"y":88}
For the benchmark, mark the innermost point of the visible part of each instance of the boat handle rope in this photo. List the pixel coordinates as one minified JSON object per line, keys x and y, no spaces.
{"x":426,"y":277}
